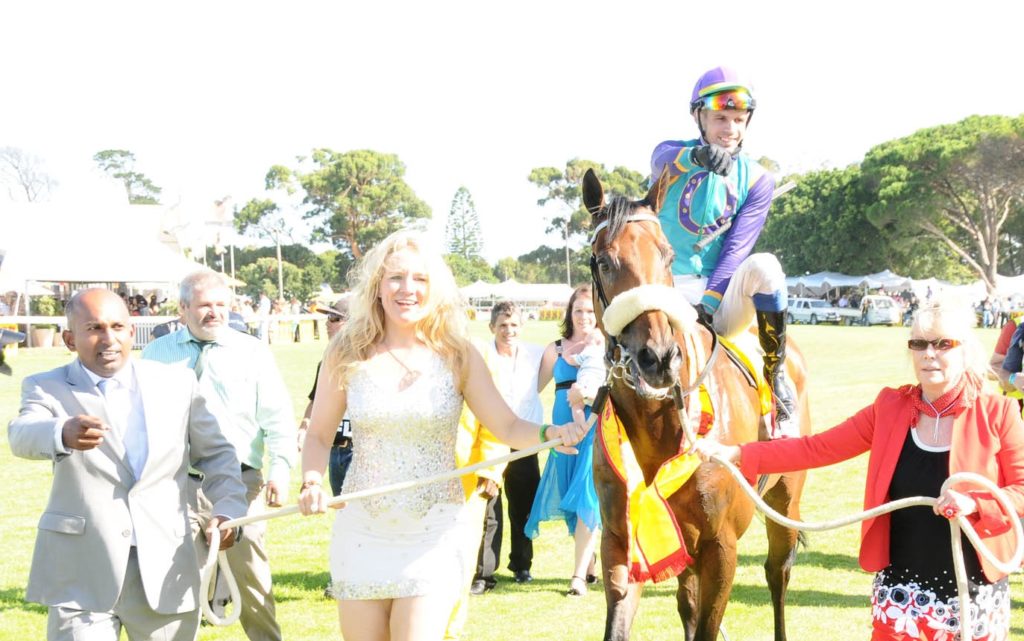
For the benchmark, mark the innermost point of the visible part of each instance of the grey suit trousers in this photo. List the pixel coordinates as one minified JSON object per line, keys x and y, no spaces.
{"x":131,"y":611}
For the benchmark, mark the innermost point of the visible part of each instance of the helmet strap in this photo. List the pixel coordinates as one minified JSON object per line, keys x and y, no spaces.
{"x":700,"y":125}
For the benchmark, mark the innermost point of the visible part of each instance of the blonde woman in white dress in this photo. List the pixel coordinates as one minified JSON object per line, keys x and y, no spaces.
{"x":401,"y":368}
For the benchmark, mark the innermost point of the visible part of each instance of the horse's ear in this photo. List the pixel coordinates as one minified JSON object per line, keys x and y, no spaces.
{"x":593,"y":192}
{"x":656,"y":195}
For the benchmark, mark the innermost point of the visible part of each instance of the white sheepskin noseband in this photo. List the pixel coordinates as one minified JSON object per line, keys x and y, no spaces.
{"x":625,"y":307}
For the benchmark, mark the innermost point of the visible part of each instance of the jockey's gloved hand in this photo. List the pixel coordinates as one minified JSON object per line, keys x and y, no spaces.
{"x":705,"y":316}
{"x":713,"y":158}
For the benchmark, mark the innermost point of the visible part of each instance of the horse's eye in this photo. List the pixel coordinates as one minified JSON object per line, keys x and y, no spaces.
{"x":602,"y":264}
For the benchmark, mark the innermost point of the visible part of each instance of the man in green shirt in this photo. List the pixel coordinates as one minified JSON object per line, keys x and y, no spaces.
{"x":238,"y":376}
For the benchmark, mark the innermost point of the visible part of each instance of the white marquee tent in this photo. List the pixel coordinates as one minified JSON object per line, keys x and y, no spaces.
{"x":822,"y":282}
{"x":524,"y":293}
{"x":44,"y":242}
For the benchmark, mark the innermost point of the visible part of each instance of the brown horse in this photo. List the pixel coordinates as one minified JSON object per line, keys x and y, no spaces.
{"x":648,"y":355}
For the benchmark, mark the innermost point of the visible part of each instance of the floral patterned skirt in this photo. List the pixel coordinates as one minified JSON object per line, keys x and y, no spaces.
{"x":907,"y":608}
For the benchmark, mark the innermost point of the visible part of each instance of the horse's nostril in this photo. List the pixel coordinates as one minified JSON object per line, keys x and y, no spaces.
{"x":647,"y":359}
{"x":673,"y":358}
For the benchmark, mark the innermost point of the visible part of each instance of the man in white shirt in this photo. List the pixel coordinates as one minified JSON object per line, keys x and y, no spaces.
{"x":514,"y":365}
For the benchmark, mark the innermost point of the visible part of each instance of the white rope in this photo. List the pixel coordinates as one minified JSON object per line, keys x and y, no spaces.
{"x":216,"y":557}
{"x":955,"y":527}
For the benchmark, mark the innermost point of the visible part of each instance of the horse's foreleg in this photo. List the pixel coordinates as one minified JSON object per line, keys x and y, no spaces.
{"x":621,"y":597}
{"x":716,"y":568}
{"x":782,"y":542}
{"x":686,"y":601}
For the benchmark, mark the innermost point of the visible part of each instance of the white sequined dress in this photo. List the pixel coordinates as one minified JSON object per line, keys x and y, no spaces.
{"x":407,"y":543}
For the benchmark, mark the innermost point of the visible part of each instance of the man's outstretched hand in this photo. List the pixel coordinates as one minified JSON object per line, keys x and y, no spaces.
{"x":713,"y":158}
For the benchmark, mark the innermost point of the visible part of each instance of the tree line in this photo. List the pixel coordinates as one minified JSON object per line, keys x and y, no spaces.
{"x":946,"y":201}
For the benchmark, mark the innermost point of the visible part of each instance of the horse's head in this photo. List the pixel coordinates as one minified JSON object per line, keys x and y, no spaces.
{"x":636,"y":304}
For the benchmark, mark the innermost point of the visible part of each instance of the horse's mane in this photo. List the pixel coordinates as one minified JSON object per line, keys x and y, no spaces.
{"x":617,"y":213}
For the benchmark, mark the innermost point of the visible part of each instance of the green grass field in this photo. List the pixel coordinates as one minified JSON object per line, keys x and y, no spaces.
{"x":828,"y":596}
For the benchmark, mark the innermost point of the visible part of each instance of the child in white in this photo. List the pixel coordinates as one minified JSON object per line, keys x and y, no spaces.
{"x":589,"y":359}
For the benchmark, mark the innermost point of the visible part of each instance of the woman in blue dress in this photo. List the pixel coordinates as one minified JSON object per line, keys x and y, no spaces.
{"x":566,"y":489}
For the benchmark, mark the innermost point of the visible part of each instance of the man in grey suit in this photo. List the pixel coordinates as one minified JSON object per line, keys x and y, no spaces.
{"x":114,"y":547}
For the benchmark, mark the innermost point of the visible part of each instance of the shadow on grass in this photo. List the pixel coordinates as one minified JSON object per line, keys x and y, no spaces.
{"x":808,"y":558}
{"x":748,"y":594}
{"x":758,"y":595}
{"x":289,"y":585}
{"x":14,"y":599}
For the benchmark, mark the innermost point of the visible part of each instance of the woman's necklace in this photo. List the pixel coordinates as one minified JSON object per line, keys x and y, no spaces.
{"x":938,"y":415}
{"x":410,"y":374}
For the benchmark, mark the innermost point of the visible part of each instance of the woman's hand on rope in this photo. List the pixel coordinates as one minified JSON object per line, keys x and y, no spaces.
{"x":312,"y":498}
{"x":227,"y":537}
{"x":952,"y":504}
{"x":570,"y":434}
{"x":705,"y":448}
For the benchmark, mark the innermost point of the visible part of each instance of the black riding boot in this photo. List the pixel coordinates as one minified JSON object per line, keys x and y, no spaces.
{"x":771,"y":331}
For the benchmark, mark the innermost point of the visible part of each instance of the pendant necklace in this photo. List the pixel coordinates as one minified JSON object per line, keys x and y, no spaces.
{"x":410,"y":375}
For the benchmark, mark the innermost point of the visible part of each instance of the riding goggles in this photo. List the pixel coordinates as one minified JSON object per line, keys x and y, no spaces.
{"x":739,"y":100}
{"x":940,"y":344}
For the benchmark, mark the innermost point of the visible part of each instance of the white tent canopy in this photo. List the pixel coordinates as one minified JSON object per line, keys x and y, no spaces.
{"x":528,"y":293}
{"x":820,"y":283}
{"x":67,"y":243}
{"x":479,"y":289}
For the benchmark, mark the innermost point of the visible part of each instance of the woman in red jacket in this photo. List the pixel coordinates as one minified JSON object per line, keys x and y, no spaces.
{"x":918,"y":435}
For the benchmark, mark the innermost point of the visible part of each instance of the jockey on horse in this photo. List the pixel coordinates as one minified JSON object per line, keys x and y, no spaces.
{"x":714,"y":211}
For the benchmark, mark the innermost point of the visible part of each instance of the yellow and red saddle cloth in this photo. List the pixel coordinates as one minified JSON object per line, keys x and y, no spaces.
{"x":656,"y":548}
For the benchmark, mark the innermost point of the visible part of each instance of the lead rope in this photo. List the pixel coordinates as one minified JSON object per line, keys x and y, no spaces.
{"x":218,"y":558}
{"x":955,"y":527}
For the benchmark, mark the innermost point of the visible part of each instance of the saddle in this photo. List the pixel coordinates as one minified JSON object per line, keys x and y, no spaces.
{"x":745,"y":354}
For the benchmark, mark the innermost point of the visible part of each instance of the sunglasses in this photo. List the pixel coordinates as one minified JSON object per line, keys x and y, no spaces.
{"x":940,"y":344}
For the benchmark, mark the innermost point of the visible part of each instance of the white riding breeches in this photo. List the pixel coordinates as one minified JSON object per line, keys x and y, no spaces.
{"x":757,"y":274}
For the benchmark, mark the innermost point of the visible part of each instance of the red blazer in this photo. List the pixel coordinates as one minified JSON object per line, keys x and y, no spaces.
{"x":988,"y":439}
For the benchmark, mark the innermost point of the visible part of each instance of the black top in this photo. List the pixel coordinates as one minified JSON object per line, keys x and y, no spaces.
{"x":919,"y":545}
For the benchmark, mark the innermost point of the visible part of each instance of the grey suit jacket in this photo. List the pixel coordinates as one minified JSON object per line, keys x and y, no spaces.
{"x":96,"y":503}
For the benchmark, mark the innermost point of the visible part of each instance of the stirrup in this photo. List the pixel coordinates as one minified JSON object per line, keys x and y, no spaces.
{"x":783,"y":426}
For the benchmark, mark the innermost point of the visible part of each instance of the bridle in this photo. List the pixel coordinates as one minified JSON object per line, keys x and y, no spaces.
{"x":621,"y":363}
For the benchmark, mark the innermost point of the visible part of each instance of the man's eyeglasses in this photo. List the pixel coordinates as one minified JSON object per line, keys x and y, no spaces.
{"x":940,"y":344}
{"x":335,"y":318}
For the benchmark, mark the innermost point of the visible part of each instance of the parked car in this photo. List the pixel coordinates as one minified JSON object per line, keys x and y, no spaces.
{"x":880,"y":310}
{"x":813,"y":311}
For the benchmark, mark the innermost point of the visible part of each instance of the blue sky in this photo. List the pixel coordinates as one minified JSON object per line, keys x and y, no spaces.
{"x":209,"y":95}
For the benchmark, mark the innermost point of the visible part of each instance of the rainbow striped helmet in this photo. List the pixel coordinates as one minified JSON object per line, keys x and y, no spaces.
{"x":721,"y":88}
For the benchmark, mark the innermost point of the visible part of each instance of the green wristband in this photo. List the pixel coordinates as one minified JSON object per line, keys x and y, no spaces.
{"x":544,"y":428}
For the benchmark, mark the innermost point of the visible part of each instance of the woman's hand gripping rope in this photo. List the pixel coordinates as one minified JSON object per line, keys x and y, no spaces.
{"x":951,"y":504}
{"x":313,"y":500}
